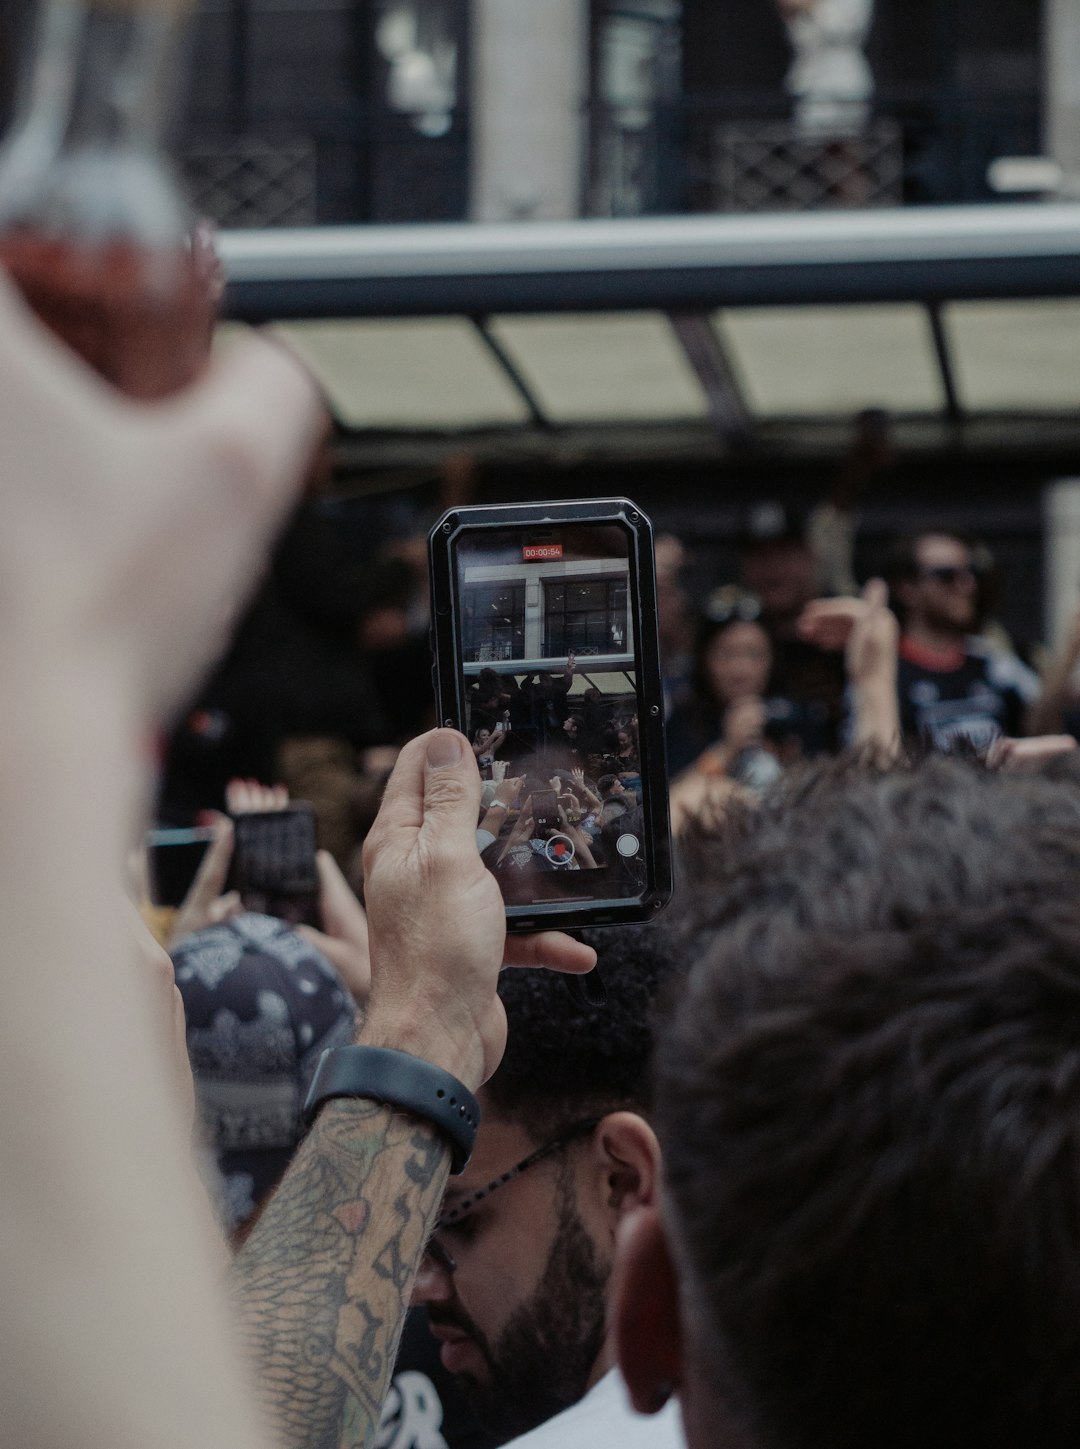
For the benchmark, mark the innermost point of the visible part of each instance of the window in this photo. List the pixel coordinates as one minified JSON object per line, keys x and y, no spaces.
{"x":494,"y":622}
{"x":585,"y":615}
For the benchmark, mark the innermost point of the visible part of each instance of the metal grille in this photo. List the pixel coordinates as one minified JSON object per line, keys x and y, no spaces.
{"x":771,"y":167}
{"x":252,"y":183}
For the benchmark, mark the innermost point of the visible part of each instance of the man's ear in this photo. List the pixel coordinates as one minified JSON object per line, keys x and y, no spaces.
{"x":627,"y":1155}
{"x":644,"y":1308}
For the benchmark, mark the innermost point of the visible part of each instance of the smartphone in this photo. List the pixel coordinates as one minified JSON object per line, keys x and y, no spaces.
{"x":545,"y":813}
{"x":173,"y":858}
{"x":273,"y":864}
{"x":548,"y":611}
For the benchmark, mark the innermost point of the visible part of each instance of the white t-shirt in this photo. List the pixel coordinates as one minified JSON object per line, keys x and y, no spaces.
{"x":603,"y":1419}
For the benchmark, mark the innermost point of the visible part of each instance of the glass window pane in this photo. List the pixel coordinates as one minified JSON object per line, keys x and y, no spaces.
{"x":1016,"y":356}
{"x":587,"y":616}
{"x":606,"y":367}
{"x":406,"y":373}
{"x":801,"y":361}
{"x":493,"y":622}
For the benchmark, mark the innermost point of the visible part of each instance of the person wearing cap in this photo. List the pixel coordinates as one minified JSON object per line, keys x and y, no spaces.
{"x":778,"y":566}
{"x":261,"y":1005}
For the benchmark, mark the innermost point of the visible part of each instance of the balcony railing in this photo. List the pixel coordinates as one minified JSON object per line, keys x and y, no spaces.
{"x":745,"y":154}
{"x":736,"y":155}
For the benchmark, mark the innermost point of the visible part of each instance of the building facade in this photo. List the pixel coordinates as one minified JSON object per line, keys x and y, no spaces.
{"x":322,"y":111}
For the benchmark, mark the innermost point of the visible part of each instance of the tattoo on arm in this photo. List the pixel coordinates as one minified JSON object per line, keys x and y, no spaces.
{"x":323,"y":1282}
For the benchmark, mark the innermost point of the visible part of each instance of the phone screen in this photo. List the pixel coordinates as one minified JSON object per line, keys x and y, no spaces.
{"x":547,"y":651}
{"x":274,"y":867}
{"x":173,"y":858}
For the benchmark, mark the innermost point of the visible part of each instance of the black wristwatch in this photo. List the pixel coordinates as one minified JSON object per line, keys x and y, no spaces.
{"x":401,"y":1081}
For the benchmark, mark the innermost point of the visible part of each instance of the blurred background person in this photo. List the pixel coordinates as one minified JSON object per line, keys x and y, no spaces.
{"x":779,"y":567}
{"x":727,"y":715}
{"x":1058,"y":706}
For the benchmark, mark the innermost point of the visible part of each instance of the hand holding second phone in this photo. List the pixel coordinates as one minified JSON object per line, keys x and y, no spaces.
{"x":436,"y":917}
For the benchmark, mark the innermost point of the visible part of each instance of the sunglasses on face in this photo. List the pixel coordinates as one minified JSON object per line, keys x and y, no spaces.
{"x":949,"y":574}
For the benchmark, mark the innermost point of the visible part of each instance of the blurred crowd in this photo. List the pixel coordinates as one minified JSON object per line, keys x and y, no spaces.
{"x":328,"y":672}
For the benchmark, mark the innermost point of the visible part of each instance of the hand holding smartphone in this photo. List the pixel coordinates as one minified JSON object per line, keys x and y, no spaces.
{"x":544,"y":627}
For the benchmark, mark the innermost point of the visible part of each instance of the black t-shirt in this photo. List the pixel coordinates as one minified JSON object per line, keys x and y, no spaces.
{"x":814,"y":681}
{"x":978,"y":696}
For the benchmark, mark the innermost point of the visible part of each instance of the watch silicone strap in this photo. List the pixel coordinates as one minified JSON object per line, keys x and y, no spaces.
{"x":401,"y":1081}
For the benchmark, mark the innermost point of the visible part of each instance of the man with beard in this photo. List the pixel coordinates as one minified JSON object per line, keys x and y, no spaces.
{"x":951,"y":686}
{"x":516,"y":1278}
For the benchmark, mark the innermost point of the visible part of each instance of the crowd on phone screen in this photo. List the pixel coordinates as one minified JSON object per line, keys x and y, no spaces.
{"x":561,"y":783}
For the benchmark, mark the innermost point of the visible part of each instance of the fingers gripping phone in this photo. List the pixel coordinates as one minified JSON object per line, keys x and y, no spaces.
{"x":544,"y":624}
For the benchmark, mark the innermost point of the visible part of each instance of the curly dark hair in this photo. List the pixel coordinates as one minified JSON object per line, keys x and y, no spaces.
{"x":566,"y":1060}
{"x":869,"y":1106}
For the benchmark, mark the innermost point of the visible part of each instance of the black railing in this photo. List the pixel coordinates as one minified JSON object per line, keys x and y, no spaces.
{"x":747,"y":153}
{"x":331,"y":166}
{"x":346,"y":164}
{"x":292,"y":116}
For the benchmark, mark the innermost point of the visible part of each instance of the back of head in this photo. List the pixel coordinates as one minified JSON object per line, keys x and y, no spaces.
{"x":566,"y":1060}
{"x":869,"y":1107}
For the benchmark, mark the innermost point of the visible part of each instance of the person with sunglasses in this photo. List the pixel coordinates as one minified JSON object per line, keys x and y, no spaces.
{"x":951,"y":686}
{"x":515,"y":1284}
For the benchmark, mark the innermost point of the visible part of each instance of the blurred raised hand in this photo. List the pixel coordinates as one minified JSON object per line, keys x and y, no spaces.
{"x":868,"y":632}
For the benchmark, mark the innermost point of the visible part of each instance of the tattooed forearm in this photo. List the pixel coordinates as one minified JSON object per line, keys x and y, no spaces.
{"x":323,"y":1282}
